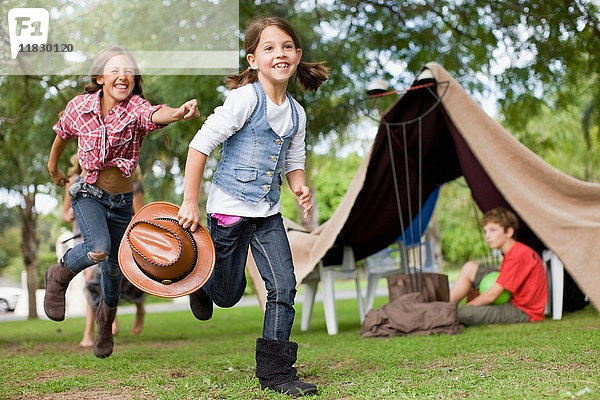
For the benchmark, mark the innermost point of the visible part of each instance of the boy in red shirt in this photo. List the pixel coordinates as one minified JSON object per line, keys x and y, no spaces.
{"x":521,"y":272}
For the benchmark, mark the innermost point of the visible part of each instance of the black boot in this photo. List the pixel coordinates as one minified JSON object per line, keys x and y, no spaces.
{"x":201,"y":305}
{"x":57,"y":279}
{"x":275,"y":368}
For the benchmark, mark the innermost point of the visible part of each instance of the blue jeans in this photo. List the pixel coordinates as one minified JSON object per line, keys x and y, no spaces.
{"x":271,"y":251}
{"x":103,"y":220}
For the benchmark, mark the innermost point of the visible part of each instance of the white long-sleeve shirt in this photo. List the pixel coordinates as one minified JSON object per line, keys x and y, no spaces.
{"x":225,"y":121}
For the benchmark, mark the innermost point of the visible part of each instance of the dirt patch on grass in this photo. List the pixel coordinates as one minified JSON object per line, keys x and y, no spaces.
{"x":88,"y":394}
{"x":24,"y":349}
{"x":50,"y":375}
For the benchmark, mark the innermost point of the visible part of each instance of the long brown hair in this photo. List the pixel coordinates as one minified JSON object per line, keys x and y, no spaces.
{"x":97,"y":69}
{"x":308,"y":75}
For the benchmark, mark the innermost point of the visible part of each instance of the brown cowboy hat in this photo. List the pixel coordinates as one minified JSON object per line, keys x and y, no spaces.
{"x":160,"y":257}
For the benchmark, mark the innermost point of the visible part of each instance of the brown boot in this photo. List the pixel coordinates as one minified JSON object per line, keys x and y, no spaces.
{"x":103,"y":346}
{"x":57,"y":279}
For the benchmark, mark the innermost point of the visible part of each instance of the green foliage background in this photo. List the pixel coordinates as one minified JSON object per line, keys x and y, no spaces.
{"x":539,"y":59}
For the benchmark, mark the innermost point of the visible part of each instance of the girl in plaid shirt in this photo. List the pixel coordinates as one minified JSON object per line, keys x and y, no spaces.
{"x":110,"y":120}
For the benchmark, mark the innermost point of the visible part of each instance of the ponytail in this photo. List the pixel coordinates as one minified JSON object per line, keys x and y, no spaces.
{"x":235,"y":81}
{"x":308,"y":75}
{"x":311,"y":75}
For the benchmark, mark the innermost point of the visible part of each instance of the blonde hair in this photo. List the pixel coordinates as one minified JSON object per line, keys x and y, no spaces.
{"x":97,"y":69}
{"x":308,"y":75}
{"x":75,"y":168}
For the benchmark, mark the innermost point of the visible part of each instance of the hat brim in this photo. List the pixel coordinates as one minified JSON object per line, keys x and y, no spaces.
{"x":200,"y":274}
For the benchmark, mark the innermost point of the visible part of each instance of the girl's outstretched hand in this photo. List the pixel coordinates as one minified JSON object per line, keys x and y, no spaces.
{"x":304,"y":199}
{"x":187,"y":110}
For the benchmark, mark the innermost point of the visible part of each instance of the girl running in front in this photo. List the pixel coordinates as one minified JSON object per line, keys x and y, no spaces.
{"x":262,"y":129}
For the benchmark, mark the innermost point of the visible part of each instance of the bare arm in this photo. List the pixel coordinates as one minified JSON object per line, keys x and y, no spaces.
{"x":58,"y":147}
{"x":487,"y":297}
{"x":138,"y":201}
{"x":166,"y":115}
{"x":68,"y":215}
{"x":297,"y":182}
{"x":189,"y":213}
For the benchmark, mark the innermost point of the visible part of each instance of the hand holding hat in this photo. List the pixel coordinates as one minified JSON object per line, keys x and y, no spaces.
{"x":160,"y":257}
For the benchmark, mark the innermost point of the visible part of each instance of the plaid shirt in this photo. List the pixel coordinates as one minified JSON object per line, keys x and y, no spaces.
{"x":112,"y":142}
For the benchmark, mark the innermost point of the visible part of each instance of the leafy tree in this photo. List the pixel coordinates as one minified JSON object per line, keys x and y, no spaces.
{"x":30,"y":109}
{"x":9,"y":247}
{"x":458,"y":217}
{"x":332,"y":177}
{"x":9,"y":216}
{"x":554,"y":133}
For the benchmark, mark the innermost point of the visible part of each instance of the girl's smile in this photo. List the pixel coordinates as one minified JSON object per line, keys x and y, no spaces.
{"x":282,"y":65}
{"x":276,"y":58}
{"x":117,"y":81}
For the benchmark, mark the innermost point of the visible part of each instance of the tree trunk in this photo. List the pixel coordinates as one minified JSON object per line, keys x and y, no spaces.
{"x":30,"y":248}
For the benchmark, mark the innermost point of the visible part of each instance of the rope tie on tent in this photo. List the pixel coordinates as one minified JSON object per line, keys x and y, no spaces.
{"x":375,"y":96}
{"x":414,"y":276}
{"x":415,"y":282}
{"x":420,"y":201}
{"x":414,"y":87}
{"x":428,"y":86}
{"x":394,"y":178}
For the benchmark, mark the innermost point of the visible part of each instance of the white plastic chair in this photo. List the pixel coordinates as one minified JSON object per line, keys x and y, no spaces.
{"x":328,"y":275}
{"x":397,"y":259}
{"x":555,"y":272}
{"x":385,"y":262}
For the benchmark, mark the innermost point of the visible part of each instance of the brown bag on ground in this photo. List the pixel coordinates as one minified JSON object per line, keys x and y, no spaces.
{"x":418,"y":306}
{"x":433,"y":286}
{"x":410,"y":315}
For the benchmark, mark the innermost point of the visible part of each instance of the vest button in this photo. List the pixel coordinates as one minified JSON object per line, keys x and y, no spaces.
{"x":265,"y":187}
{"x":273,"y":158}
{"x":278,"y":141}
{"x":269,"y":173}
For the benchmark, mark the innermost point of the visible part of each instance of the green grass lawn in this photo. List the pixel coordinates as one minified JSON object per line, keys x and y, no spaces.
{"x":178,"y":357}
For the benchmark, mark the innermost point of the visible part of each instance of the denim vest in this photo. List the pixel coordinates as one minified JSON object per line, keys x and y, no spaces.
{"x":252,"y":159}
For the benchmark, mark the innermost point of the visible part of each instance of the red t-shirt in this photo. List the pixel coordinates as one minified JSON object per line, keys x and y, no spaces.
{"x":523,"y":274}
